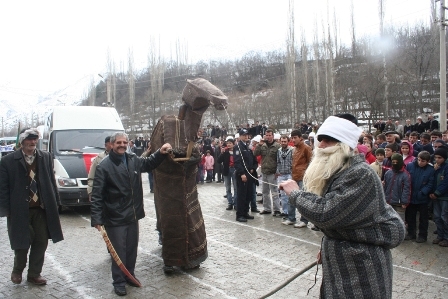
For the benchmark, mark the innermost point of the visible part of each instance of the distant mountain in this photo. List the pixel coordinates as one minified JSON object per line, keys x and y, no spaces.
{"x":30,"y":110}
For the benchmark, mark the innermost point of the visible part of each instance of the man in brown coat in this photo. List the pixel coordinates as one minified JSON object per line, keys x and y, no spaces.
{"x":300,"y":160}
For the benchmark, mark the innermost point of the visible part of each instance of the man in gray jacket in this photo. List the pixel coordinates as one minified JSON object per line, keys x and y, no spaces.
{"x":117,"y":202}
{"x":343,"y":196}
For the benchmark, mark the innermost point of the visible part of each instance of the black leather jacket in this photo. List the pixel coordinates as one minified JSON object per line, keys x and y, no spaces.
{"x":117,"y":196}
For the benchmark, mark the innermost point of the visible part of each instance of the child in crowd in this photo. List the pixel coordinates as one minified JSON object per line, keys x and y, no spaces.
{"x":422,"y":182}
{"x":389,"y":150}
{"x":209,"y":165}
{"x":200,"y":174}
{"x":440,"y":196}
{"x":407,"y":151}
{"x":378,"y":164}
{"x":397,"y":184}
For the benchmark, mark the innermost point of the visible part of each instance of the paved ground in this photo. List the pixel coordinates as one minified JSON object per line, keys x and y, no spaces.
{"x":245,"y":260}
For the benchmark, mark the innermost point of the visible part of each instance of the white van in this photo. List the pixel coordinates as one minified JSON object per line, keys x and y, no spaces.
{"x":75,"y":136}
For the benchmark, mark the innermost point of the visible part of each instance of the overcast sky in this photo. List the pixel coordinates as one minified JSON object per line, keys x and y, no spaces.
{"x":52,"y":45}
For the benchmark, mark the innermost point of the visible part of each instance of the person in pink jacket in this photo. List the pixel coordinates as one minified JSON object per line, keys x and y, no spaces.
{"x":209,"y":165}
{"x":407,"y":150}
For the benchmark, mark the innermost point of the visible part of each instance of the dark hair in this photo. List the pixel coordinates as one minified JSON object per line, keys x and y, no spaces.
{"x":269,"y":131}
{"x":414,"y":133}
{"x":424,"y":155}
{"x":393,"y":147}
{"x":296,"y":133}
{"x":284,"y":136}
{"x":436,"y":133}
{"x":381,"y":137}
{"x":348,"y":117}
{"x":425,"y":136}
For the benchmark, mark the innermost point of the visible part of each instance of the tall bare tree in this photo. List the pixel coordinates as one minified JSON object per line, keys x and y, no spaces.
{"x":291,"y":64}
{"x":304,"y":52}
{"x":131,"y":81}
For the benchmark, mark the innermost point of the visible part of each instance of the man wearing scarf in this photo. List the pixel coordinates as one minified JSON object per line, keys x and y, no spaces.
{"x":29,"y":199}
{"x":344,"y":197}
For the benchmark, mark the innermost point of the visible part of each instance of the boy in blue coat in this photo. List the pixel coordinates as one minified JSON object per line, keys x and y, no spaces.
{"x":422,"y":182}
{"x":440,"y":196}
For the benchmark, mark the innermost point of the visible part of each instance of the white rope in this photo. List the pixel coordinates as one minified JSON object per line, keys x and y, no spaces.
{"x":244,"y":163}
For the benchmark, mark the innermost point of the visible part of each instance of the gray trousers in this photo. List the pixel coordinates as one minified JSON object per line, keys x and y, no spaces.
{"x":268,"y":190}
{"x":38,"y":245}
{"x":124,"y":238}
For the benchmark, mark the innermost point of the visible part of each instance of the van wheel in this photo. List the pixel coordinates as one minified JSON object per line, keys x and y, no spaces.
{"x":60,"y":209}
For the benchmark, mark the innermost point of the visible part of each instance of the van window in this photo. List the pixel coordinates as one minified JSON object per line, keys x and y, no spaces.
{"x":72,"y":142}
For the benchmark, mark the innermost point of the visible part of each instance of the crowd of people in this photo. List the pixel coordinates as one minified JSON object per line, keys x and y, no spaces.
{"x":362,"y":190}
{"x":409,"y":159}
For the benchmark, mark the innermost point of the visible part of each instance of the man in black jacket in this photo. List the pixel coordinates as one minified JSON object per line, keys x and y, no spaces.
{"x":29,"y":199}
{"x":245,"y":171}
{"x":117,"y":201}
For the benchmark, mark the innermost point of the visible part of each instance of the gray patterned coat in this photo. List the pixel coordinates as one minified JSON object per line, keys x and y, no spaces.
{"x":360,"y":229}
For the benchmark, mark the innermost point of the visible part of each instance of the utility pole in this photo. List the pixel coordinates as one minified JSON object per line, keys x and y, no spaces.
{"x":442,"y":67}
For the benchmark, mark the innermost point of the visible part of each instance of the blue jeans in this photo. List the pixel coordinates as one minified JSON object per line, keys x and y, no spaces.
{"x":283,"y":197}
{"x":209,"y":175}
{"x":200,"y":174}
{"x":151,"y":180}
{"x":229,"y":180}
{"x":292,"y":209}
{"x":441,"y":218}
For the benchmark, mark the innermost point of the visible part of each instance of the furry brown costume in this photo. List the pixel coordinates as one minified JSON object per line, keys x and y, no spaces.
{"x":179,"y":215}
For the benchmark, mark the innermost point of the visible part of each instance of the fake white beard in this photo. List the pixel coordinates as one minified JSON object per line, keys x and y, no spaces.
{"x":325,"y":163}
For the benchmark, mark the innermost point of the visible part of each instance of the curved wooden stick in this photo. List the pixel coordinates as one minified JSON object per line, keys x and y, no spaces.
{"x":116,"y":258}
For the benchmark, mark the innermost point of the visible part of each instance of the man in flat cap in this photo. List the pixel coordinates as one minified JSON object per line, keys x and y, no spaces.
{"x":29,"y":199}
{"x":343,"y":196}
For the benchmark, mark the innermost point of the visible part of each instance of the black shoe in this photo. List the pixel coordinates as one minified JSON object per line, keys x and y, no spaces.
{"x":120,"y":290}
{"x":225,"y":196}
{"x":241,"y":219}
{"x":247,"y":216}
{"x":409,"y":237}
{"x":276,"y":213}
{"x":284,"y":215}
{"x":160,"y":240}
{"x":133,"y":284}
{"x":265,"y":212}
{"x":260,"y":201}
{"x":185,"y":268}
{"x":168,"y":269}
{"x":421,"y":240}
{"x":255,"y":210}
{"x":259,"y":194}
{"x":229,"y":207}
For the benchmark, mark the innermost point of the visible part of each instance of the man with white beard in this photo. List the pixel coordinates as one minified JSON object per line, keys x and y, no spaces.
{"x":344,"y":197}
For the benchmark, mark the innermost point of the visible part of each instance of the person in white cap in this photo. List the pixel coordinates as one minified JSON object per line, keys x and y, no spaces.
{"x":343,"y":196}
{"x":420,"y":126}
